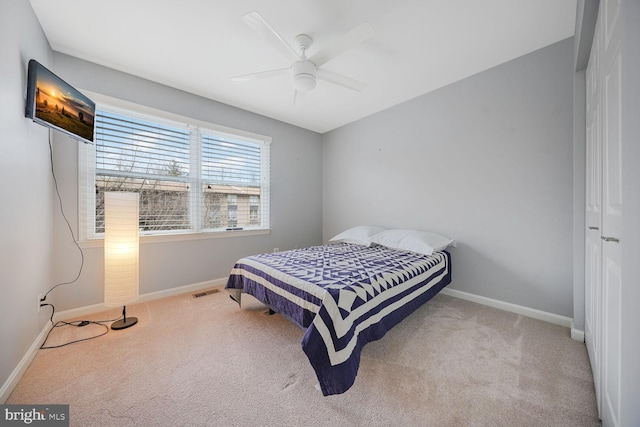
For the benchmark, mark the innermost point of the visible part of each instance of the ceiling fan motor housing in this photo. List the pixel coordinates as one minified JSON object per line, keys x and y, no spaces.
{"x":304,"y":75}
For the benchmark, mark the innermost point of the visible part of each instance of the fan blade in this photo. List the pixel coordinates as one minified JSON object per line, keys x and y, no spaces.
{"x":347,"y":41}
{"x":261,"y":75}
{"x":262,"y":27}
{"x":339,"y":79}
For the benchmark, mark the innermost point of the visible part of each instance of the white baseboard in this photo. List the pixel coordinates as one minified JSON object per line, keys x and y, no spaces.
{"x":17,"y":373}
{"x":518,"y":309}
{"x":577,"y":334}
{"x":97,"y":308}
{"x":26,"y":360}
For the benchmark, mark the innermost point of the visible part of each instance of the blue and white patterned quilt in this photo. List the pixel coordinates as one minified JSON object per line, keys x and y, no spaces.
{"x":344,"y":295}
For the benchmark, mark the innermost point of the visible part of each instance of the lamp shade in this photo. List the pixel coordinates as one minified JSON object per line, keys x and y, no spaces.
{"x":121,"y":285}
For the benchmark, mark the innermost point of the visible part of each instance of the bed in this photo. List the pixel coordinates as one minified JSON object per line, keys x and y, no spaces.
{"x":344,"y":295}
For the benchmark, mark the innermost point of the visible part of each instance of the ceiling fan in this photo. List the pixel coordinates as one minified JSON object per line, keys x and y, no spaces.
{"x":304,"y":71}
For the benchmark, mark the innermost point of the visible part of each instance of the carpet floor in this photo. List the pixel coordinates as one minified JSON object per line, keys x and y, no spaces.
{"x":206,"y":362}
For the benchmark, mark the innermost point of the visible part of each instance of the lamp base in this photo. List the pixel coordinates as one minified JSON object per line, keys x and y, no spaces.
{"x":124,"y":323}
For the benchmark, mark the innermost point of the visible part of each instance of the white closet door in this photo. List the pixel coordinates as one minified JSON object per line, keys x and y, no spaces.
{"x":593,"y":218}
{"x":611,"y":215}
{"x":603,"y":253}
{"x":593,"y":251}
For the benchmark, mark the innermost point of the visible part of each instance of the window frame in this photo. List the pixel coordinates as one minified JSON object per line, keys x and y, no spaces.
{"x":87,"y":175}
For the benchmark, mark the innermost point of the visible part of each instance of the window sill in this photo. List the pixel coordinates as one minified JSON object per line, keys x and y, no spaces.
{"x":163,"y":238}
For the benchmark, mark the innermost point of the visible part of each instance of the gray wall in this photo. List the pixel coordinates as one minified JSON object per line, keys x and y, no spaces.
{"x":486,"y":161}
{"x":26,"y":227}
{"x":296,"y":193}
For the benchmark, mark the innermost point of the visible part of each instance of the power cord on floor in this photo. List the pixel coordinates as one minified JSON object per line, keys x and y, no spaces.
{"x":76,"y":323}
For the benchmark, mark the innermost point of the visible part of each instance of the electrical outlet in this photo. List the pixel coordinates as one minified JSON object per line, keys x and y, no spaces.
{"x":39,"y":302}
{"x":276,"y":249}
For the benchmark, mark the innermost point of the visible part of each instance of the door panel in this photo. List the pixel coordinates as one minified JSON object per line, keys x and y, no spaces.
{"x":592,"y":307}
{"x":593,"y":218}
{"x":612,"y":151}
{"x":611,"y":324}
{"x":612,"y":209}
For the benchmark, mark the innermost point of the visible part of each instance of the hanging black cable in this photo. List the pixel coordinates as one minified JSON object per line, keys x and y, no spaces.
{"x":77,"y":323}
{"x":73,"y":238}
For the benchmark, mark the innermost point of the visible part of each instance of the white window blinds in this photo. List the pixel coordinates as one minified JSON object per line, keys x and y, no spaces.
{"x":231,"y":177}
{"x":148,"y":158}
{"x":190,"y":179}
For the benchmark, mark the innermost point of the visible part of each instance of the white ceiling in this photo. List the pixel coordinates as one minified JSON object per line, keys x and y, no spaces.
{"x":198,"y":45}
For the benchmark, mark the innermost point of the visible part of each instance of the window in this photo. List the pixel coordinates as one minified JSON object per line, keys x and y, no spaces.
{"x":254,"y":206}
{"x":191,"y":177}
{"x":232,"y":210}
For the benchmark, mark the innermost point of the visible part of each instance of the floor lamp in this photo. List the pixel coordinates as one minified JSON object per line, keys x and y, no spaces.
{"x":121,"y":253}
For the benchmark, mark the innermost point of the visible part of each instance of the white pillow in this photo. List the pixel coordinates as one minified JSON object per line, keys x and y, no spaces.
{"x":359,"y":235}
{"x":422,"y":242}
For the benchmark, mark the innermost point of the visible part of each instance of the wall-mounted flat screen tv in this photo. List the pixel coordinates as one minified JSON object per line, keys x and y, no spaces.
{"x":54,"y":103}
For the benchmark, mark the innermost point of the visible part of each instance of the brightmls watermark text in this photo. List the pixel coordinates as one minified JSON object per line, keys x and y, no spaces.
{"x":36,"y":415}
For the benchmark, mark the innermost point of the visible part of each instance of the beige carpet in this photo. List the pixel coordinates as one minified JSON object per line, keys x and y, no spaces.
{"x":205,"y":362}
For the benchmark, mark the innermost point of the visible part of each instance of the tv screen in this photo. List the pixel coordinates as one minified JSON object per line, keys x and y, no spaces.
{"x":53,"y":102}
